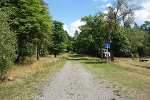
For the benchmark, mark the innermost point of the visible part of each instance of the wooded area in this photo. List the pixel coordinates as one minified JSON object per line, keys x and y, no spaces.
{"x":27,"y":29}
{"x":115,"y":28}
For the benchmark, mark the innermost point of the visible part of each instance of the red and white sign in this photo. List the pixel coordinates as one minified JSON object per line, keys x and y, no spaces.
{"x":107,"y":54}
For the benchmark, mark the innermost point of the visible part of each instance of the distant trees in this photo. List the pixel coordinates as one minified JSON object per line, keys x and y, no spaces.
{"x":95,"y":28}
{"x":106,"y":28}
{"x":76,"y":33}
{"x":8,"y":44}
{"x":59,"y":38}
{"x":69,"y":42}
{"x":145,"y":49}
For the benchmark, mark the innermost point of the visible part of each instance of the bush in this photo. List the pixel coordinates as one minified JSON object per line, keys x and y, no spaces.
{"x":8,"y":45}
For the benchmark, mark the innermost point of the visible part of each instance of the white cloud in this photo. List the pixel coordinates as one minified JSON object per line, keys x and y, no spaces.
{"x":106,"y":11}
{"x":140,"y":15}
{"x":65,"y":27}
{"x":104,"y":6}
{"x":144,"y":14}
{"x":73,"y":27}
{"x":108,"y":5}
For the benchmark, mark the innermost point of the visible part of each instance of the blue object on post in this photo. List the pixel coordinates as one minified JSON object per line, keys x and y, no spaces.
{"x":107,"y":45}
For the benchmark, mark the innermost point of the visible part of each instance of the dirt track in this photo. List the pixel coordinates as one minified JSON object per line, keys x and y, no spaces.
{"x":74,"y":82}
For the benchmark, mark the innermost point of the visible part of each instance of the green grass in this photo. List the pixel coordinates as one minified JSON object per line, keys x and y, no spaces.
{"x":134,"y":81}
{"x":25,"y":87}
{"x":117,"y":92}
{"x":72,"y":93}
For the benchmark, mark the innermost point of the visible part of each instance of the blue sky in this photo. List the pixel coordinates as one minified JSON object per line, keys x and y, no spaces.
{"x":70,"y":11}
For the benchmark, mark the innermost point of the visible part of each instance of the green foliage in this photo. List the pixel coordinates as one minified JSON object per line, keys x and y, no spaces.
{"x":8,"y":44}
{"x":30,"y":20}
{"x":76,"y":33}
{"x":84,"y":44}
{"x":120,"y":43}
{"x":92,"y":36}
{"x":146,"y":26}
{"x":137,"y":41}
{"x":59,"y":38}
{"x":69,"y":42}
{"x":146,"y":49}
{"x":105,"y":28}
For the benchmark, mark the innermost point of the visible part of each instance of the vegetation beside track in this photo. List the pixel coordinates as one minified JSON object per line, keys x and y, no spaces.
{"x":27,"y":76}
{"x":133,"y":81}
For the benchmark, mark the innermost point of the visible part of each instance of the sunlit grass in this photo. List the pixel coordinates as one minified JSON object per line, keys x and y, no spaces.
{"x":134,"y":62}
{"x":134,"y":80}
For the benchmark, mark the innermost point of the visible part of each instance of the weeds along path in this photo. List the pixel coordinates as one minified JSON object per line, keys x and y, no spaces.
{"x":74,"y":82}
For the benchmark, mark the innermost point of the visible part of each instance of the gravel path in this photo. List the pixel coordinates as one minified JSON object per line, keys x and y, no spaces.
{"x":74,"y":82}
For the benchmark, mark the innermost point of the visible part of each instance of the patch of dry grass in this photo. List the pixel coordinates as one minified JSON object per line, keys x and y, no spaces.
{"x":133,"y":62}
{"x":26,"y":75}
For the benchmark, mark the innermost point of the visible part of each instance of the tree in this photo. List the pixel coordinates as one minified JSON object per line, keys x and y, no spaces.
{"x":119,"y":12}
{"x":95,"y":26}
{"x":120,"y":43}
{"x":76,"y":33}
{"x":146,"y":27}
{"x":85,"y":44}
{"x":59,"y":38}
{"x":8,"y":44}
{"x":31,"y":22}
{"x":136,"y":38}
{"x":69,"y":42}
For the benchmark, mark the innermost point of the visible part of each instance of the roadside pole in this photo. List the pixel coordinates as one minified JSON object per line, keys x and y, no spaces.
{"x":107,"y":55}
{"x":107,"y":46}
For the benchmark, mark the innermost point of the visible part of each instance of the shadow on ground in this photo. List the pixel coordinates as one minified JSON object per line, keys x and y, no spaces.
{"x":94,"y":62}
{"x":79,"y":57}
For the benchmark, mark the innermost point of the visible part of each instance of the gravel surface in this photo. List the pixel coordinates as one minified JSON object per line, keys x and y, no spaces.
{"x":74,"y":82}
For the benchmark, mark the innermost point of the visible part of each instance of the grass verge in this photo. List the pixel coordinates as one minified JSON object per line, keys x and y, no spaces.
{"x":26,"y":77}
{"x":132,"y":81}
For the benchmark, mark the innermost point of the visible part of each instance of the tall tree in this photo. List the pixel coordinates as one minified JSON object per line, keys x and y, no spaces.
{"x":95,"y":26}
{"x":146,"y":27}
{"x":59,"y":38}
{"x":69,"y":42}
{"x":119,"y":11}
{"x":8,"y":44}
{"x":30,"y":20}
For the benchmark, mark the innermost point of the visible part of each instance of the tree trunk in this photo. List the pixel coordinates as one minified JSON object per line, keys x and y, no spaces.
{"x":18,"y":58}
{"x":55,"y":55}
{"x":112,"y":55}
{"x":30,"y":56}
{"x":101,"y":53}
{"x":1,"y":78}
{"x":132,"y":55}
{"x":38,"y":52}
